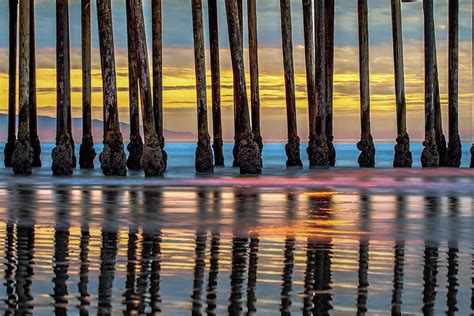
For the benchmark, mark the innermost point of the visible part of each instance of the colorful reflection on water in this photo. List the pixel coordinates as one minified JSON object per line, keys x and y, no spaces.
{"x":233,"y":250}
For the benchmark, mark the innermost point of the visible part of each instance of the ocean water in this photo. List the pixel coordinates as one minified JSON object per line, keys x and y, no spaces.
{"x":340,"y":241}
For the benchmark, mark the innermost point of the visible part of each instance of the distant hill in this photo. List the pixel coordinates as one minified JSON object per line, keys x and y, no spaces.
{"x":47,"y":130}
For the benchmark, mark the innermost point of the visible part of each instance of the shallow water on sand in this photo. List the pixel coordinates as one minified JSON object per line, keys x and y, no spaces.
{"x":336,"y":241}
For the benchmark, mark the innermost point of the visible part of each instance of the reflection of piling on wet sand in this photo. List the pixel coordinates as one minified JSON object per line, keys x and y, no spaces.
{"x":22,"y":151}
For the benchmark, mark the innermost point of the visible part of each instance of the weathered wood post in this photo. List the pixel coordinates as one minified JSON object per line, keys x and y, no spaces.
{"x":440,"y":139}
{"x":403,"y":157}
{"x":293,"y":146}
{"x":321,"y":154}
{"x":34,"y":139}
{"x":216,"y":84}
{"x":329,"y":40}
{"x":430,"y":155}
{"x":454,"y":148}
{"x":12,"y":55}
{"x":152,"y":157}
{"x":254,"y":72}
{"x":135,"y":145}
{"x":157,"y":52}
{"x":87,"y":151}
{"x":366,"y":144}
{"x":22,"y":157}
{"x":204,"y":160}
{"x":309,"y":54}
{"x":248,"y":151}
{"x":113,"y":156}
{"x":62,"y":154}
{"x":237,"y":129}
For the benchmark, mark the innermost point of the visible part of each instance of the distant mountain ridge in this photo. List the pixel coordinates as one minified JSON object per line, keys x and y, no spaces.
{"x":47,"y":130}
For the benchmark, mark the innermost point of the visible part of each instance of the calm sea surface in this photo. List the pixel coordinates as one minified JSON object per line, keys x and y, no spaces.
{"x":340,"y":241}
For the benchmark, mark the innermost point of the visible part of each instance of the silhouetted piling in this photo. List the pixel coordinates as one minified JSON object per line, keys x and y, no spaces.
{"x":321,"y":154}
{"x":152,"y":156}
{"x":366,"y":144}
{"x":430,"y":155}
{"x":454,"y":154}
{"x":293,"y":146}
{"x":87,"y":152}
{"x":287,"y":276}
{"x":249,"y":156}
{"x":135,"y":146}
{"x":211,"y":297}
{"x":329,"y":41}
{"x":157,"y":51}
{"x":62,"y":154}
{"x":216,"y":84}
{"x":237,"y":128}
{"x":403,"y":157}
{"x":310,"y":77}
{"x":204,"y":160}
{"x":254,"y":72}
{"x":22,"y":158}
{"x":113,"y":156}
{"x":440,"y":138}
{"x":34,"y":139}
{"x":12,"y":55}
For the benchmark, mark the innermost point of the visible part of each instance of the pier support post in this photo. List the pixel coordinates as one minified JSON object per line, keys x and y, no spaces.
{"x":237,"y":128}
{"x":254,"y":72}
{"x":22,"y":157}
{"x":366,"y":144}
{"x":135,"y":145}
{"x":203,"y":160}
{"x":440,"y":138}
{"x":249,"y":155}
{"x":62,"y":154}
{"x":430,"y":155}
{"x":322,"y":150}
{"x":454,"y":154}
{"x":12,"y":55}
{"x":113,"y":156}
{"x":216,"y":84}
{"x":87,"y":152}
{"x":329,"y":41}
{"x":34,"y":139}
{"x":157,"y":51}
{"x":152,"y":156}
{"x":293,"y":146}
{"x":310,"y":76}
{"x":403,"y":156}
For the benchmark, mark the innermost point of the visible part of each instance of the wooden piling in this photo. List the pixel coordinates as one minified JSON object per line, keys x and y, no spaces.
{"x":293,"y":146}
{"x":152,"y":157}
{"x":321,"y":155}
{"x":113,"y":156}
{"x":249,"y":156}
{"x":237,"y":129}
{"x":403,"y":156}
{"x":310,"y":76}
{"x":366,"y":144}
{"x":217,"y":144}
{"x":87,"y":152}
{"x":135,"y":145}
{"x":157,"y":52}
{"x":62,"y":154}
{"x":429,"y":156}
{"x":22,"y":157}
{"x":454,"y":154}
{"x":203,"y":160}
{"x":12,"y":55}
{"x":34,"y":139}
{"x":440,"y":138}
{"x":254,"y":72}
{"x":329,"y":40}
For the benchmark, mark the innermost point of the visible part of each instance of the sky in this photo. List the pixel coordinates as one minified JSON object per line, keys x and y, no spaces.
{"x":179,"y":79}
